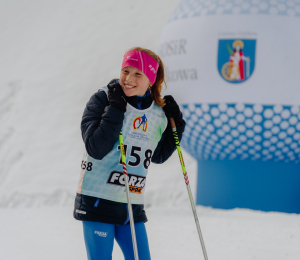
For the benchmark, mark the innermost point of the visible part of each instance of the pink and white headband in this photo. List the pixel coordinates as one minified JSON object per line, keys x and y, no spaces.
{"x":142,"y":61}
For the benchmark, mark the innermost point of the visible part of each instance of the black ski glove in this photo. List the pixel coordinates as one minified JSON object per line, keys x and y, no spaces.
{"x":117,"y":97}
{"x":172,"y":110}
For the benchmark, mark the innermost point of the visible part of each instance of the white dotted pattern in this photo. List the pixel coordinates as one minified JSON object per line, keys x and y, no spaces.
{"x":192,"y":8}
{"x":242,"y":131}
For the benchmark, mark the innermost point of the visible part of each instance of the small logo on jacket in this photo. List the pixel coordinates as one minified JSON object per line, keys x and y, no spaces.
{"x":140,"y":122}
{"x":80,"y":211}
{"x":100,"y":234}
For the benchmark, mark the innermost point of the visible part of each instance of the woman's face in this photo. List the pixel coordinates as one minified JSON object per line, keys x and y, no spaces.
{"x":133,"y":81}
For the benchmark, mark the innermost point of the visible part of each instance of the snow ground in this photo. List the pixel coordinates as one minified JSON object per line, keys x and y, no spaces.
{"x":52,"y":233}
{"x":54,"y":56}
{"x":46,"y":233}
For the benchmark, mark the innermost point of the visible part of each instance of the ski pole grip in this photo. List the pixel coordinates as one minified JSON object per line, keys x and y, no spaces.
{"x":172,"y":122}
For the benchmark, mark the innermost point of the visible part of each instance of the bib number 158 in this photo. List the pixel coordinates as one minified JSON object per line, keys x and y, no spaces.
{"x":135,"y":153}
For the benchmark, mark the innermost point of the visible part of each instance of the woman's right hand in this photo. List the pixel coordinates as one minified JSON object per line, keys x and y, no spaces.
{"x":117,"y":97}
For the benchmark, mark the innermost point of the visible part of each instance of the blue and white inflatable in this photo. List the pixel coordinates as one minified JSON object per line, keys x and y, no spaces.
{"x":234,"y":66}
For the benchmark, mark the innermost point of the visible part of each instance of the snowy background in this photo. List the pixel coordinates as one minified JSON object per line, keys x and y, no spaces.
{"x":54,"y":56}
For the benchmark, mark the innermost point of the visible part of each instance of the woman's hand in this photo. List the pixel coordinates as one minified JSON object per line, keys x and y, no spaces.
{"x":172,"y":110}
{"x":117,"y":97}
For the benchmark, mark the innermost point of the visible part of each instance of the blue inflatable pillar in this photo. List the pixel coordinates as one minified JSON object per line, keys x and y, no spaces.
{"x":229,"y":184}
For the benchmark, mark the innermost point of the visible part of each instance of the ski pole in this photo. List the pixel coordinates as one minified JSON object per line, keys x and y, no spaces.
{"x":123,"y":155}
{"x":173,"y":125}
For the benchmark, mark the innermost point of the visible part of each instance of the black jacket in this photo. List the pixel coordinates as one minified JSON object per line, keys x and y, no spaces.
{"x":100,"y":127}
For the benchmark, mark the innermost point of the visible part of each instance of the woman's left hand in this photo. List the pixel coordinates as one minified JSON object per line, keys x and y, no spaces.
{"x":172,"y":110}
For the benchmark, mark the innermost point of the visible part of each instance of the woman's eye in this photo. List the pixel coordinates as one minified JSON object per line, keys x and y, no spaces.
{"x":138,"y":74}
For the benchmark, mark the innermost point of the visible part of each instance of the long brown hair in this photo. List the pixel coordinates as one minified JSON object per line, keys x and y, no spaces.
{"x":155,"y":90}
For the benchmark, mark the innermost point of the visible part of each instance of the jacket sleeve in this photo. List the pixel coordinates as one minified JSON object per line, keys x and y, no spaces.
{"x":100,"y":126}
{"x":166,"y":146}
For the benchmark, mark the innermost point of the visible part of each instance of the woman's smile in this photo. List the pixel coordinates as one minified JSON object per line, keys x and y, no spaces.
{"x":129,"y":86}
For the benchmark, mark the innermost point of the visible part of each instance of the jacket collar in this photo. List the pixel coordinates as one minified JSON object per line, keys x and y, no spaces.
{"x":140,"y":102}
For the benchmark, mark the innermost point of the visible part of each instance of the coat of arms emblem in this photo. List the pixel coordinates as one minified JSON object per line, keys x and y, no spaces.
{"x":236,"y":59}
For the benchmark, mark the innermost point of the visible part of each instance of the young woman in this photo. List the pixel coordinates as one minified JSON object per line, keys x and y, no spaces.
{"x":134,"y":105}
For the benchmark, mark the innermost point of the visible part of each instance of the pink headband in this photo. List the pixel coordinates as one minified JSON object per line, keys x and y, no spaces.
{"x":142,"y":61}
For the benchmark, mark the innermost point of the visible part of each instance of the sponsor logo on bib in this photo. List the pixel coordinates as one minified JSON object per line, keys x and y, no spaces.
{"x":136,"y":182}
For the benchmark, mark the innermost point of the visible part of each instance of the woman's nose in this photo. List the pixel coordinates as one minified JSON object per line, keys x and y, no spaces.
{"x":129,"y":78}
